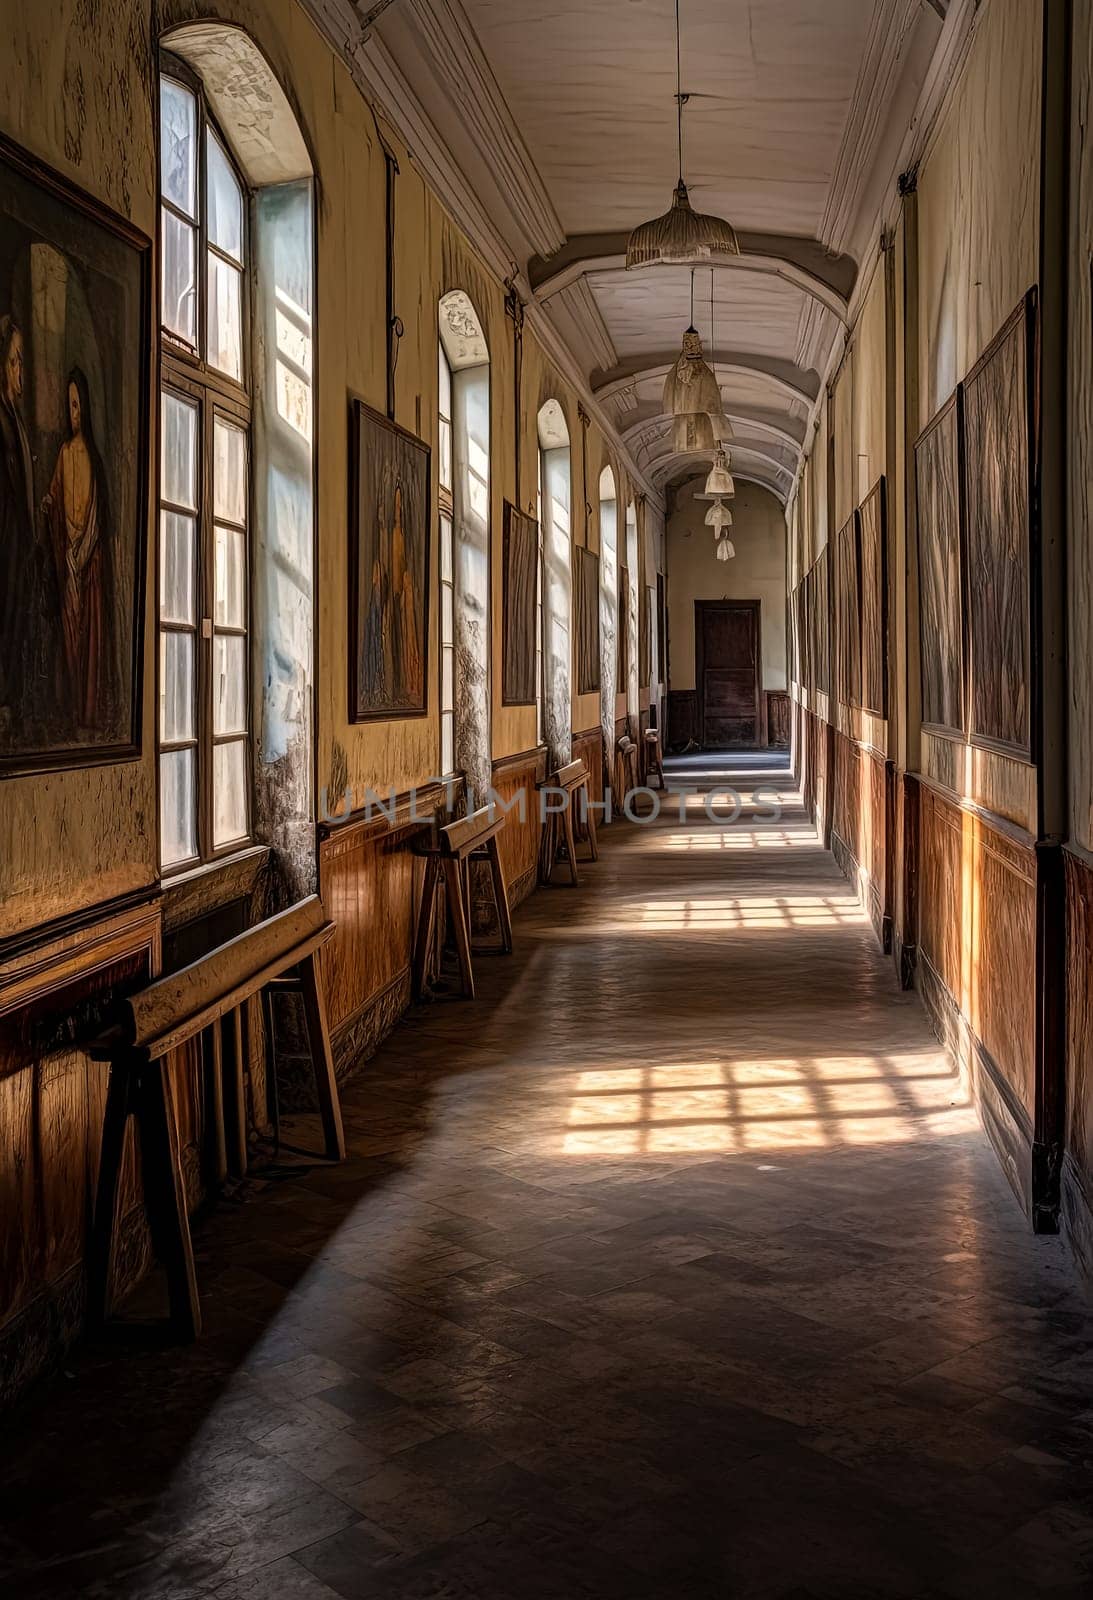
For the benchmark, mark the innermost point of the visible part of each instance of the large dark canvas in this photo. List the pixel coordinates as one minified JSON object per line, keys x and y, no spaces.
{"x":389,"y":569}
{"x":997,"y":445}
{"x":74,"y":374}
{"x":645,"y":638}
{"x":847,"y":616}
{"x":586,"y":584}
{"x":821,"y":614}
{"x":873,"y":538}
{"x":520,"y":579}
{"x":941,"y":633}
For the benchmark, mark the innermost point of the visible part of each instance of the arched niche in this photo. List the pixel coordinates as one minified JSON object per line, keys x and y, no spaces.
{"x":609,"y":600}
{"x":466,"y":353}
{"x":556,"y":500}
{"x":629,"y":599}
{"x":256,"y":118}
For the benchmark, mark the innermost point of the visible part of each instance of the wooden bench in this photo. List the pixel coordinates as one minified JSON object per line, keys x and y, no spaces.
{"x":653,"y":762}
{"x":204,"y":999}
{"x":450,"y":851}
{"x":558,"y":828}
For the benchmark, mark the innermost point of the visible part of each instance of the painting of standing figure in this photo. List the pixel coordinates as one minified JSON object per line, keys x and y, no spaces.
{"x":389,"y":569}
{"x":73,"y":473}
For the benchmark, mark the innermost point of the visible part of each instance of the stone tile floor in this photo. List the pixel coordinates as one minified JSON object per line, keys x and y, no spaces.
{"x":676,"y":1265}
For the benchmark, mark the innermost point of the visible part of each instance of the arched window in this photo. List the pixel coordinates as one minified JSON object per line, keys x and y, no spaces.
{"x":237,"y":482}
{"x":609,"y":589}
{"x":555,"y":497}
{"x":464,"y":535}
{"x":628,"y":603}
{"x":204,"y":513}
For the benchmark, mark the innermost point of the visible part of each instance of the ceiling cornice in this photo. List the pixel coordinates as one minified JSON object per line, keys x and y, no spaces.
{"x":946,"y":65}
{"x":577,"y":306}
{"x":382,"y":83}
{"x":827,"y":277}
{"x":893,"y":22}
{"x":444,"y":34}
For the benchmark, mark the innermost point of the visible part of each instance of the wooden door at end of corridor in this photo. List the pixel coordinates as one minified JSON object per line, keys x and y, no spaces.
{"x":727,"y":666}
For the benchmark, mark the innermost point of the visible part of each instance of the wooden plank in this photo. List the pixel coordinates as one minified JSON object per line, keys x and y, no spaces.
{"x":230,"y":969}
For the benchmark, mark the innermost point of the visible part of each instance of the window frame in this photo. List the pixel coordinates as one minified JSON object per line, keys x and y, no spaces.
{"x":185,"y":372}
{"x":445,"y":545}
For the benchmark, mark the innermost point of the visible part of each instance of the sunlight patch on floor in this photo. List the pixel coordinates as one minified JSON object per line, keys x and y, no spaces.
{"x":763,"y":1104}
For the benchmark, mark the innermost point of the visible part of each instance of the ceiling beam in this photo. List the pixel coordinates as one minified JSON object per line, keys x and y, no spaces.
{"x":798,"y":260}
{"x":782,"y":376}
{"x":744,"y":426}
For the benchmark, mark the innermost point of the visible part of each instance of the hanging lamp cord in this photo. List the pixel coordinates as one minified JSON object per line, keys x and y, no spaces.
{"x":679,"y":96}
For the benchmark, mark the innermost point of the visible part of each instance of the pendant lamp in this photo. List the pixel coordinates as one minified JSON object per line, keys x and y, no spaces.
{"x":682,"y":236}
{"x":692,"y":396}
{"x":719,"y":484}
{"x":725,"y":549}
{"x":719,"y":516}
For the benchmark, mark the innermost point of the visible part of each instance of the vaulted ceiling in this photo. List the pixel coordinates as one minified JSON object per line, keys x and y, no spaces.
{"x":559,"y":121}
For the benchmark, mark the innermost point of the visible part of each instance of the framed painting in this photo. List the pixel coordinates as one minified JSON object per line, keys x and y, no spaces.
{"x":997,"y":435}
{"x":873,"y":545}
{"x":586,"y":585}
{"x":520,"y":557}
{"x":847,"y":615}
{"x":75,"y":343}
{"x":388,"y":568}
{"x":662,"y":629}
{"x":645,"y":638}
{"x":622,"y":674}
{"x":940,"y":574}
{"x":821,"y":625}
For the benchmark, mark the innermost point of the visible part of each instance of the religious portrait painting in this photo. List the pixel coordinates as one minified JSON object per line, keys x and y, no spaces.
{"x":73,"y":473}
{"x":389,"y":568}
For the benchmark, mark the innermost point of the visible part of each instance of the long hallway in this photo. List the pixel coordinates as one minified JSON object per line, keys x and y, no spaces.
{"x":685,"y":1270}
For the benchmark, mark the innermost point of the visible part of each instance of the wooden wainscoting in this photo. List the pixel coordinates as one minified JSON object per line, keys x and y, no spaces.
{"x":976,"y":965}
{"x":1077,"y":1177}
{"x":861,"y":826}
{"x":846,"y":817}
{"x":520,"y":838}
{"x":52,"y":1098}
{"x":682,"y":718}
{"x":588,"y":747}
{"x":777,"y":719}
{"x":370,"y":880}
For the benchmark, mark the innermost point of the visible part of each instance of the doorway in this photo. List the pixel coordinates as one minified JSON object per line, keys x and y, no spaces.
{"x":727,"y":673}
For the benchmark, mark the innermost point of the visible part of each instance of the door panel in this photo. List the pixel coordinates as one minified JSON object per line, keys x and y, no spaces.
{"x":727,"y":672}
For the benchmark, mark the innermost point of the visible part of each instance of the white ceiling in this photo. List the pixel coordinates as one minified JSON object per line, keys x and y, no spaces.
{"x":561,"y":115}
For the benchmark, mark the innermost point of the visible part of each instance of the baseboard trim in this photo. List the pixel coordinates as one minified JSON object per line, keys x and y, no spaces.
{"x":1005,"y":1120}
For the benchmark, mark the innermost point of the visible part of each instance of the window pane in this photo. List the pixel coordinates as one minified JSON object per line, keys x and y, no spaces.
{"x":447,"y":743}
{"x":176,"y":687}
{"x":446,"y":572}
{"x":178,"y":145}
{"x":224,"y":332}
{"x":229,"y":793}
{"x":229,"y":471}
{"x":176,"y":567}
{"x":177,"y":808}
{"x":229,"y":683}
{"x":447,"y":678}
{"x":224,"y":200}
{"x":179,"y":445}
{"x":445,"y":454}
{"x":445,"y":386}
{"x":179,"y":303}
{"x":229,"y":600}
{"x":447,"y":624}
